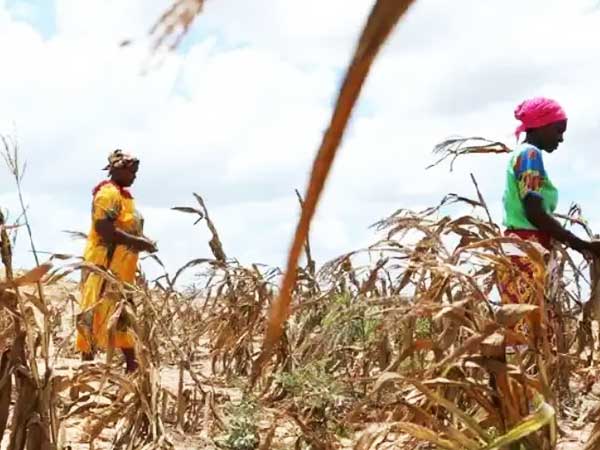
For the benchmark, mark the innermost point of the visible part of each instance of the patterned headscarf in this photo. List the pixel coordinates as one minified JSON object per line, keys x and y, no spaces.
{"x":121,"y":160}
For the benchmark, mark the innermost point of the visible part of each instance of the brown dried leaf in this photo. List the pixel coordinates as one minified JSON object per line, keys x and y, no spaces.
{"x":593,"y":442}
{"x":23,"y":410}
{"x":425,"y":434}
{"x":372,"y":436}
{"x":464,"y":417}
{"x":35,"y":301}
{"x":457,"y":308}
{"x":178,"y":17}
{"x":268,"y":441}
{"x":33,"y":276}
{"x":37,"y":434}
{"x":509,"y":315}
{"x":384,"y":16}
{"x":494,"y":346}
{"x":384,"y":379}
{"x":5,"y":391}
{"x":188,"y":209}
{"x":470,"y":345}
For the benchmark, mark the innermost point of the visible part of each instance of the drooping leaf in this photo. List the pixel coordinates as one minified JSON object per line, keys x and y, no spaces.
{"x":33,"y":276}
{"x":543,"y":415}
{"x":509,"y":315}
{"x":188,"y":209}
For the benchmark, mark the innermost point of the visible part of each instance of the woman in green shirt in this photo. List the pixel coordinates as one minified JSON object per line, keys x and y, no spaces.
{"x":530,"y":199}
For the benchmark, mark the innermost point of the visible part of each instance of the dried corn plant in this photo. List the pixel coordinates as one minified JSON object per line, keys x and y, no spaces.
{"x":33,"y":417}
{"x":454,"y":148}
{"x":416,"y":342}
{"x":398,"y":345}
{"x":395,"y":344}
{"x":409,"y":346}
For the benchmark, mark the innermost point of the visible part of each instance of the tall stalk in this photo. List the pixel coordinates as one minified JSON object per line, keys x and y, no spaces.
{"x":17,"y":170}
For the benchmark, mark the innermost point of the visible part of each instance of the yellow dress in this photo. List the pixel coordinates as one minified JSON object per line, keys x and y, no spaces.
{"x":99,"y":300}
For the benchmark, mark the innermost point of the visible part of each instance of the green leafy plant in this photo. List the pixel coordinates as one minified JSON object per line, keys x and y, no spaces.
{"x":242,"y":432}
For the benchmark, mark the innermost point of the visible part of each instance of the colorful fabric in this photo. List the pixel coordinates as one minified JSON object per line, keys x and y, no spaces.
{"x":525,"y":176}
{"x":99,"y":299}
{"x":517,"y":286}
{"x":520,"y":284}
{"x":538,"y":112}
{"x":540,"y":237}
{"x":121,"y":160}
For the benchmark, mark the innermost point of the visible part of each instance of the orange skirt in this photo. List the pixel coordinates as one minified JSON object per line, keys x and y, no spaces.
{"x":96,"y":325}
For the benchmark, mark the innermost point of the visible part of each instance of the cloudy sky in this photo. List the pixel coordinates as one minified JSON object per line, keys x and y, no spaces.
{"x":237,"y":113}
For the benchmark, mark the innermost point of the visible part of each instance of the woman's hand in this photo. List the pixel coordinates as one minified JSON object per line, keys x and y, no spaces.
{"x":112,"y":235}
{"x":545,"y":222}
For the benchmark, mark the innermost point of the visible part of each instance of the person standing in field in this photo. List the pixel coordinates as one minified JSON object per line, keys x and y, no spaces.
{"x":530,"y":199}
{"x":114,"y":242}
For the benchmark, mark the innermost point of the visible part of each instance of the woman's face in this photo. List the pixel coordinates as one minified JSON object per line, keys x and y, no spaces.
{"x":551,"y":136}
{"x":125,"y":176}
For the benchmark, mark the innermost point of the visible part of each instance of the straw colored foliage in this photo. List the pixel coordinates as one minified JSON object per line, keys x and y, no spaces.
{"x":398,"y":345}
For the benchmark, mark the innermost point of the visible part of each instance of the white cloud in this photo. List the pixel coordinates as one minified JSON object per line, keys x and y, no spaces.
{"x":238,"y":115}
{"x":111,"y":21}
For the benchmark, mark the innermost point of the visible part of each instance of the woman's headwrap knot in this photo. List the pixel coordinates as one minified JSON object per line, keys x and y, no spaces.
{"x":538,"y":112}
{"x":118,"y":159}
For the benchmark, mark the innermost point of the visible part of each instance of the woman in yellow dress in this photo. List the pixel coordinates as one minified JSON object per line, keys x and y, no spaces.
{"x":114,"y":242}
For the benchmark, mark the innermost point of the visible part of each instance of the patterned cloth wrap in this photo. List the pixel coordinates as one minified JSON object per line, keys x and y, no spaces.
{"x":99,"y":298}
{"x":118,"y":159}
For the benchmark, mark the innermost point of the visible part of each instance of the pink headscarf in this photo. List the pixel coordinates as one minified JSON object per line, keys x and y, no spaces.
{"x":538,"y":112}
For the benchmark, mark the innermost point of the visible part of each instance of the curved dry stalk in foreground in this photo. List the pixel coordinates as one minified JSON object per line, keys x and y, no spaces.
{"x":175,"y":22}
{"x":384,"y":16}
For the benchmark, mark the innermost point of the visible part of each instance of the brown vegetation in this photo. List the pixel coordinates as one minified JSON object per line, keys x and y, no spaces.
{"x":390,"y":346}
{"x":403,"y":351}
